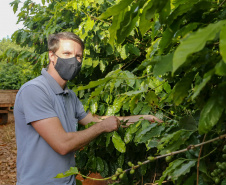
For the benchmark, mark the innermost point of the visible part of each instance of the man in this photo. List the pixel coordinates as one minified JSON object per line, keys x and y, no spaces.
{"x":46,"y":116}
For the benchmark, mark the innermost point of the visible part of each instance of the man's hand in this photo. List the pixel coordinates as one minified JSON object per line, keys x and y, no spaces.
{"x":110,"y":124}
{"x":152,"y":118}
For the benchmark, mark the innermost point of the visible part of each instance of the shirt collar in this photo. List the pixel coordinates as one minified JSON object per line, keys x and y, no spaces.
{"x":53,"y":83}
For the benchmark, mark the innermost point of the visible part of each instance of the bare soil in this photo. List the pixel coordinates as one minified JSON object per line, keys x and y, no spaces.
{"x":8,"y":153}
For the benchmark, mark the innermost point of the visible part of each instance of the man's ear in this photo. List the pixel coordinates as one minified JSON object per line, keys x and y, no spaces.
{"x":51,"y":57}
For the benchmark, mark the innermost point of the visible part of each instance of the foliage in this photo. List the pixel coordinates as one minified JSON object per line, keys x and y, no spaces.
{"x":165,"y":58}
{"x":14,"y":76}
{"x":14,"y":69}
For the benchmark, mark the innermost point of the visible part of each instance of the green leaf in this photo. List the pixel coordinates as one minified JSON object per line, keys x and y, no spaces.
{"x":100,"y":164}
{"x":164,"y":13}
{"x":173,"y":141}
{"x":154,"y":132}
{"x":173,"y":165}
{"x":181,"y":89}
{"x":94,"y":104}
{"x":182,"y":170}
{"x":129,"y":77}
{"x":15,"y":5}
{"x":152,"y":143}
{"x":78,"y":182}
{"x":130,"y":93}
{"x":92,"y":162}
{"x":138,"y":108}
{"x":143,"y":169}
{"x":186,"y":29}
{"x":144,"y":24}
{"x":164,"y":65}
{"x":92,"y":84}
{"x":71,"y":171}
{"x":195,"y":42}
{"x":188,"y":123}
{"x":206,"y":78}
{"x":97,"y":91}
{"x":128,"y":23}
{"x":43,"y":2}
{"x":116,"y":9}
{"x":118,"y":142}
{"x":124,"y":52}
{"x":156,"y":7}
{"x":89,"y":25}
{"x":118,"y":102}
{"x":108,"y":138}
{"x":223,"y":43}
{"x":180,"y":10}
{"x":223,"y":182}
{"x":190,"y":180}
{"x":144,"y":131}
{"x":130,"y":131}
{"x":151,"y":98}
{"x":120,"y":160}
{"x":154,"y":47}
{"x":167,"y":36}
{"x":114,"y":27}
{"x":210,"y":115}
{"x":133,"y":49}
{"x":220,"y":68}
{"x":106,"y":169}
{"x":133,"y":102}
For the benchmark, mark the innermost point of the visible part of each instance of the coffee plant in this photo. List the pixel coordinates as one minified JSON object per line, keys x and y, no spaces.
{"x":161,"y":57}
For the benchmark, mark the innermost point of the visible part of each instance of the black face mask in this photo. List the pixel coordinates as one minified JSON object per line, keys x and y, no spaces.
{"x":68,"y":68}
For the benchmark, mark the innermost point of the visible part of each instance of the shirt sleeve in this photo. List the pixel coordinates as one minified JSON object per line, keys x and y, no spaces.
{"x":36,"y":104}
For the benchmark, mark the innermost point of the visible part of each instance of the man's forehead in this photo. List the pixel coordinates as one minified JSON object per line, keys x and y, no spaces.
{"x":66,"y":42}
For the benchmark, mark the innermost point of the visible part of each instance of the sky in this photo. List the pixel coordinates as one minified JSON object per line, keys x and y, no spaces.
{"x":8,"y":19}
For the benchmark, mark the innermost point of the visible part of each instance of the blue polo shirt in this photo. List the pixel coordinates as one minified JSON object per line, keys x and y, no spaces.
{"x":41,"y":98}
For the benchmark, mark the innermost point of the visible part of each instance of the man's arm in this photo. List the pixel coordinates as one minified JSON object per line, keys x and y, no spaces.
{"x":63,"y":142}
{"x":130,"y":119}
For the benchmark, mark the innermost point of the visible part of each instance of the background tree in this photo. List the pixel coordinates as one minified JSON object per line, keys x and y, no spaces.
{"x":14,"y":70}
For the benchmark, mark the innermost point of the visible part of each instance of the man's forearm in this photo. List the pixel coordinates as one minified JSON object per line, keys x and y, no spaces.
{"x":77,"y":140}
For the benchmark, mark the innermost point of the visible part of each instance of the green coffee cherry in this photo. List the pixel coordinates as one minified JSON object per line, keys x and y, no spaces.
{"x":218,"y":171}
{"x":216,"y":180}
{"x":130,"y":163}
{"x":121,"y":175}
{"x":117,"y":173}
{"x":119,"y":170}
{"x":139,"y":163}
{"x":224,"y":149}
{"x":218,"y":163}
{"x":224,"y":156}
{"x":114,"y":178}
{"x":168,"y":158}
{"x":132,"y":171}
{"x":151,"y":158}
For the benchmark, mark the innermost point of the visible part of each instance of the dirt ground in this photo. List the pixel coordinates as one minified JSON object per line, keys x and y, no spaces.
{"x":8,"y":153}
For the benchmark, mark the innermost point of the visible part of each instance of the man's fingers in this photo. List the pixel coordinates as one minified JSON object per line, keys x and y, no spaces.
{"x":156,"y":119}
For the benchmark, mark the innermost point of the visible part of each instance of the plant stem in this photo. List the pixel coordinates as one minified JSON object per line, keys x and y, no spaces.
{"x":190,"y":147}
{"x":197,"y":182}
